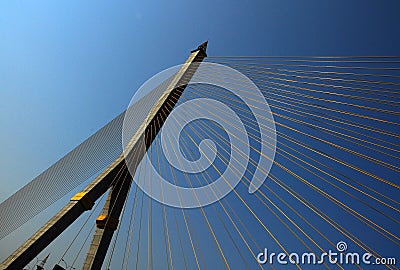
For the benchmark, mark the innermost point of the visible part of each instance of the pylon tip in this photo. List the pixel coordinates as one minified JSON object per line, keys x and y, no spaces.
{"x":202,"y":47}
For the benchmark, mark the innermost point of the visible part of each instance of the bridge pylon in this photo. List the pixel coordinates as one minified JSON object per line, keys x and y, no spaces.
{"x":83,"y":201}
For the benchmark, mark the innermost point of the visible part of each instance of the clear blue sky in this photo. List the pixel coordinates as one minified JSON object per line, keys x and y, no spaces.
{"x":67,"y":68}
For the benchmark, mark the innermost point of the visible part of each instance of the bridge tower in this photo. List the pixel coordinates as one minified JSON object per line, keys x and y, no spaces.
{"x":83,"y":201}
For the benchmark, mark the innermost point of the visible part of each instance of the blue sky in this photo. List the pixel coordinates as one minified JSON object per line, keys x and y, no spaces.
{"x":67,"y":68}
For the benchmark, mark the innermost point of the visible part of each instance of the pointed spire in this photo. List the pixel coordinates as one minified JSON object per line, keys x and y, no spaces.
{"x":45,"y":259}
{"x":42,"y":263}
{"x":202,"y":47}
